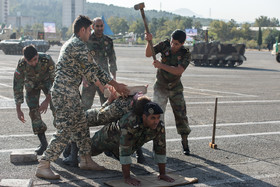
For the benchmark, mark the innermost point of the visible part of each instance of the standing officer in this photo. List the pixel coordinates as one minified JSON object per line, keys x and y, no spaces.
{"x":102,"y":49}
{"x":133,"y":131}
{"x":175,"y":58}
{"x":35,"y":71}
{"x":74,"y":63}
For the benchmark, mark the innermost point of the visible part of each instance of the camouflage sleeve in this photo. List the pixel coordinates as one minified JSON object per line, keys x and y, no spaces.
{"x":125,"y":148}
{"x":185,"y":59}
{"x":19,"y":82}
{"x":115,"y":110}
{"x":93,"y":71}
{"x":159,"y":47}
{"x":90,"y":67}
{"x":112,"y":58}
{"x":159,"y":144}
{"x":51,"y":67}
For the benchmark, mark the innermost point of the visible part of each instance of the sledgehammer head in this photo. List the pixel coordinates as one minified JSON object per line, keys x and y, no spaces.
{"x":139,"y":6}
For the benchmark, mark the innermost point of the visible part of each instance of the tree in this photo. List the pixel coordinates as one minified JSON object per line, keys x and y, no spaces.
{"x":259,"y":38}
{"x":118,"y":25}
{"x":264,"y":21}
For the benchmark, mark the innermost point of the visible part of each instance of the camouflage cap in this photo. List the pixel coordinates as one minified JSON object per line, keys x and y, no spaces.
{"x":152,"y":108}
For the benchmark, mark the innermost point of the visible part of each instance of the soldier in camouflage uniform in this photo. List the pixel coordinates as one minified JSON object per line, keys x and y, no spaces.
{"x":175,"y":58}
{"x":74,"y":63}
{"x":110,"y":112}
{"x":102,"y":49}
{"x":132,"y":131}
{"x":35,"y":72}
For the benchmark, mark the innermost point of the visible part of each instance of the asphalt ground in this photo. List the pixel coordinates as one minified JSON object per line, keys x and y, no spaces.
{"x":247,"y":134}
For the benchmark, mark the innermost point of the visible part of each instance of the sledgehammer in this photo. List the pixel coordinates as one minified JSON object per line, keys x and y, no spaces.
{"x":212,"y":144}
{"x":141,"y":7}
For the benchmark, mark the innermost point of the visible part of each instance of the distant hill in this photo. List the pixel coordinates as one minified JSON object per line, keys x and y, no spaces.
{"x":51,"y":11}
{"x":186,"y":12}
{"x":98,"y":9}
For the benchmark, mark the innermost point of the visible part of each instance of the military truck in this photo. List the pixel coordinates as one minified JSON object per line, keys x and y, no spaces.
{"x":52,"y":38}
{"x":217,"y":54}
{"x":276,"y":52}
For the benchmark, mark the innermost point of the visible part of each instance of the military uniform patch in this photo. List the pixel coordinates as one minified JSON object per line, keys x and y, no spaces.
{"x":106,"y":43}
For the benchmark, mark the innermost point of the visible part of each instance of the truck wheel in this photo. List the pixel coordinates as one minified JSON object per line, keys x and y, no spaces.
{"x":278,"y":57}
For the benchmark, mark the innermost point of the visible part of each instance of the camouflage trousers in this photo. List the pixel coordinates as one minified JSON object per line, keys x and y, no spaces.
{"x":106,"y":139}
{"x":109,"y":112}
{"x":88,"y":94}
{"x":32,"y":99}
{"x":176,"y":98}
{"x":70,"y":124}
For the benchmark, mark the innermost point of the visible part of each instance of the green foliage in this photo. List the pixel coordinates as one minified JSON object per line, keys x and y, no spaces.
{"x":264,"y":21}
{"x":118,"y":25}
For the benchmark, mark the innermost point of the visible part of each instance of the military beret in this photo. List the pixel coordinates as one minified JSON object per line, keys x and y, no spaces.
{"x":152,"y":108}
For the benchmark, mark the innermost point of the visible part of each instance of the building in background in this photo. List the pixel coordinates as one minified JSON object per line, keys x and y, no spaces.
{"x":70,"y":10}
{"x":20,"y":21}
{"x":4,"y":11}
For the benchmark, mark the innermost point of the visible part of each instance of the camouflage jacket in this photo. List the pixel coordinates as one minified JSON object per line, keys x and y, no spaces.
{"x":182,"y":57}
{"x":102,"y":50}
{"x":33,"y":77}
{"x":109,"y":113}
{"x":134,"y":135}
{"x":74,"y":62}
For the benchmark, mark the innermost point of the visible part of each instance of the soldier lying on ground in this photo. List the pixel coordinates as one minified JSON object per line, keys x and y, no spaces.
{"x":111,"y":111}
{"x":35,"y":72}
{"x":132,"y":131}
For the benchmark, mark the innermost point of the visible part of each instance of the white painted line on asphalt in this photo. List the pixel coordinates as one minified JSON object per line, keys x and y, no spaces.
{"x":8,"y":103}
{"x":5,"y":98}
{"x":222,"y":92}
{"x":226,"y":136}
{"x":168,"y":140}
{"x":233,"y":102}
{"x":172,"y":127}
{"x":231,"y":124}
{"x":6,"y":85}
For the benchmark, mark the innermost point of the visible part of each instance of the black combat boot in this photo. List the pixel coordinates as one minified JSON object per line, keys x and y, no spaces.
{"x":72,"y":159}
{"x":140,"y":157}
{"x":185,"y":144}
{"x":67,"y":150}
{"x":44,"y":144}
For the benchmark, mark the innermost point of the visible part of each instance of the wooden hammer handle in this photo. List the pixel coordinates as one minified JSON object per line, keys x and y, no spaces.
{"x":147,"y":31}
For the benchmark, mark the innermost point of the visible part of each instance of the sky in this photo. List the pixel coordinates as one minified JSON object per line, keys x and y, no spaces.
{"x":239,"y":10}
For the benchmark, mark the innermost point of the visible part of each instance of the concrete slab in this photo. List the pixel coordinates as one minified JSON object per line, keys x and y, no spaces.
{"x":16,"y":182}
{"x":23,"y":156}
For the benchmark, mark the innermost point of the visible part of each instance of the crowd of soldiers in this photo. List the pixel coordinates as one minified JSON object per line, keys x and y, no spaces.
{"x":129,"y":119}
